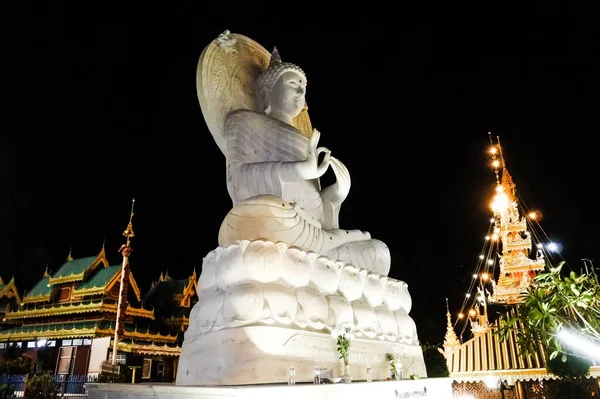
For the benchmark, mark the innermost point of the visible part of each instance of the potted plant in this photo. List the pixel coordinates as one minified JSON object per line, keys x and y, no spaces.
{"x":343,"y":347}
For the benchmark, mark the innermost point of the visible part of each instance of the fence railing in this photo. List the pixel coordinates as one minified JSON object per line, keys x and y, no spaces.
{"x":14,"y":383}
{"x":68,"y":385}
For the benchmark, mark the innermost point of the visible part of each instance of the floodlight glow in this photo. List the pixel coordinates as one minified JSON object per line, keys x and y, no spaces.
{"x":552,"y":247}
{"x":584,"y":346}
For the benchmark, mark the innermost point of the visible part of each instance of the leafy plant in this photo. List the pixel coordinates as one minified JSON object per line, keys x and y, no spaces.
{"x":18,"y":365}
{"x":435,"y":361}
{"x":555,"y":302}
{"x":6,"y":391}
{"x":343,"y":345}
{"x":42,"y":386}
{"x":391,"y":358}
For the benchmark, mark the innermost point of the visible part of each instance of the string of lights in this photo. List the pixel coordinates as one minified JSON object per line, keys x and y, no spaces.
{"x":504,"y":267}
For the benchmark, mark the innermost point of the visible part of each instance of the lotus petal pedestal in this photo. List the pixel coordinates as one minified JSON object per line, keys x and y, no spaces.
{"x":264,"y":307}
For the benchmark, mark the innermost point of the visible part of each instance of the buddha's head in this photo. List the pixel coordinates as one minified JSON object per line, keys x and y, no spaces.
{"x":282,"y":88}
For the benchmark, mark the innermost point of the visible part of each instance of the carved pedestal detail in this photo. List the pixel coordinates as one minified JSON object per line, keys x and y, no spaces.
{"x":265,"y":306}
{"x":263,"y":354}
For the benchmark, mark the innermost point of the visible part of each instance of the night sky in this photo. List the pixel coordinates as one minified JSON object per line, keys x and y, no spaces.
{"x":99,"y":106}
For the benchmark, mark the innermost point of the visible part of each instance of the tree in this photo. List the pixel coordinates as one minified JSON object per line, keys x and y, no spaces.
{"x":555,"y":303}
{"x":435,"y":362}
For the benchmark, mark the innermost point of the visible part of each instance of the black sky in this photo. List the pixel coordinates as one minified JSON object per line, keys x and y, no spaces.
{"x":99,"y":106}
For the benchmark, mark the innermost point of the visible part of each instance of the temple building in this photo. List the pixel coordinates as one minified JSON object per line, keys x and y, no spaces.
{"x":66,"y":322}
{"x":10,"y":300}
{"x":485,"y":366}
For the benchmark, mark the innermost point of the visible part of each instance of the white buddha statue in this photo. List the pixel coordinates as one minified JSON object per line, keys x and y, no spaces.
{"x":273,"y":176}
{"x":285,"y":279}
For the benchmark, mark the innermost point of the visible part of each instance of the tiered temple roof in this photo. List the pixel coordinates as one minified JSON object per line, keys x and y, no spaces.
{"x":173,"y":299}
{"x":9,"y":300}
{"x":80,"y":301}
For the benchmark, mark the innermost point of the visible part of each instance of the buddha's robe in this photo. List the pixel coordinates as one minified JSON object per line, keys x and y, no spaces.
{"x":267,"y":207}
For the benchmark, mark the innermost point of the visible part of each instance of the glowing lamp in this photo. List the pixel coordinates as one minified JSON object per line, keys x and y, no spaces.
{"x":500,"y":202}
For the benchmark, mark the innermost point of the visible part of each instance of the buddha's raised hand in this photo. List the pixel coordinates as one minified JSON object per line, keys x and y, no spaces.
{"x":310,"y":168}
{"x":341,"y":188}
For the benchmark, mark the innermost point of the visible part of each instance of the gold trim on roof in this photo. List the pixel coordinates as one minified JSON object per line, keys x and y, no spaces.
{"x":10,"y":290}
{"x":531,"y":374}
{"x":117,"y":279}
{"x":101,"y":258}
{"x":78,"y":308}
{"x":141,"y":336}
{"x":49,"y":334}
{"x":88,"y":292}
{"x":151,"y":349}
{"x":38,"y":298}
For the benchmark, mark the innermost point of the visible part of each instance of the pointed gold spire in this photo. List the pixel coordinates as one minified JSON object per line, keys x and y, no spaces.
{"x":129,"y":230}
{"x":451,"y":339}
{"x":46,"y":274}
{"x":161,"y":277}
{"x":69,"y":256}
{"x":1,"y":281}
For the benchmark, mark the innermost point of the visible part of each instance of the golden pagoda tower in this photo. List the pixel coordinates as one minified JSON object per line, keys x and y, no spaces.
{"x":450,"y":340}
{"x":517,"y":269}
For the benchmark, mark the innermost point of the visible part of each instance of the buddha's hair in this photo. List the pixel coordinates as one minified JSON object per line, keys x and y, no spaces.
{"x":267,"y":79}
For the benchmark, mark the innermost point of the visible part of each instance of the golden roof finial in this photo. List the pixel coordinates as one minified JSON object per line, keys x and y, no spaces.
{"x":161,"y":277}
{"x":1,"y":281}
{"x":46,"y":274}
{"x":129,"y":230}
{"x":69,"y":256}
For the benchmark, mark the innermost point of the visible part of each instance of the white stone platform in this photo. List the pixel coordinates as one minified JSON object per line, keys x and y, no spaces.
{"x":263,"y":354}
{"x":426,"y":388}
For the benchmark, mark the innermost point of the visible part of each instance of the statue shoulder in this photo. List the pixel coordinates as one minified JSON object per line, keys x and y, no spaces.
{"x":244,"y":115}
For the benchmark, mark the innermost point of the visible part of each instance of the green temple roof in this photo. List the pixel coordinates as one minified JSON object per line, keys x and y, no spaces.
{"x":74,"y":268}
{"x":40,"y":291}
{"x":99,"y":278}
{"x":58,"y":330}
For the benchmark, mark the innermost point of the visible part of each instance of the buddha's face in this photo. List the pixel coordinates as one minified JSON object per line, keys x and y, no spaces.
{"x":288,"y":94}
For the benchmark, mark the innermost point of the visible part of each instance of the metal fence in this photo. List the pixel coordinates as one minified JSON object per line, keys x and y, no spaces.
{"x":71,"y":385}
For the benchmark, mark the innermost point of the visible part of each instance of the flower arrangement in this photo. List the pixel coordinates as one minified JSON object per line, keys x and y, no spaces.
{"x":392,"y":360}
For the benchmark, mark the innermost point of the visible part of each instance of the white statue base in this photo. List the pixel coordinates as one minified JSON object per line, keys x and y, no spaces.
{"x":427,"y":388}
{"x":263,"y":354}
{"x":265,"y":306}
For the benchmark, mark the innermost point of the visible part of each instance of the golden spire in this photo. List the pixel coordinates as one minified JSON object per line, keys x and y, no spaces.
{"x":129,"y":230}
{"x":1,"y":281}
{"x":516,"y":268}
{"x":451,"y":339}
{"x":69,"y":256}
{"x":46,"y":274}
